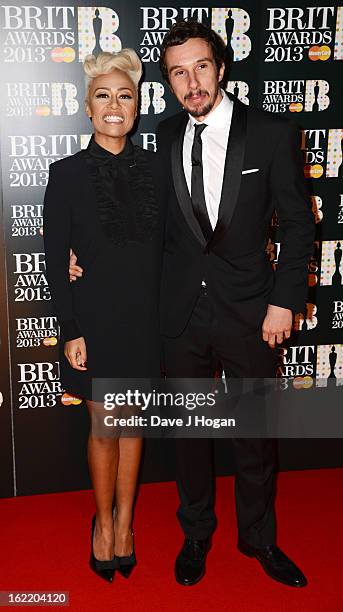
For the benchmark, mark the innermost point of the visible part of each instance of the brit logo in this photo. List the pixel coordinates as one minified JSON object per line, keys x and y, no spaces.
{"x":26,"y":220}
{"x":231,"y":23}
{"x":30,"y":156}
{"x":296,"y":96}
{"x":30,"y":281}
{"x":152,"y":98}
{"x":294,"y":34}
{"x":36,"y":331}
{"x":309,"y":322}
{"x":40,"y":99}
{"x":239,"y":89}
{"x":323,"y":151}
{"x":61,"y":34}
{"x":39,"y":384}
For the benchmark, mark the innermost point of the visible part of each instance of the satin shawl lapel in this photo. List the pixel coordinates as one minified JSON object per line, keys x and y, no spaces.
{"x":233,"y":171}
{"x":180,"y":183}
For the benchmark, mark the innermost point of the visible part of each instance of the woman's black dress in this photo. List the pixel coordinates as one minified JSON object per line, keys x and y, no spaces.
{"x":108,"y":208}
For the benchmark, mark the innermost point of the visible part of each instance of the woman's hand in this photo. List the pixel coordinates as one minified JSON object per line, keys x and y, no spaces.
{"x":76,"y":353}
{"x":74,"y":270}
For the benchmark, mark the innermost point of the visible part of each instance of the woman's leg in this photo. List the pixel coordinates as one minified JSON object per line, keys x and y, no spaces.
{"x":103,"y":458}
{"x":130,"y":450}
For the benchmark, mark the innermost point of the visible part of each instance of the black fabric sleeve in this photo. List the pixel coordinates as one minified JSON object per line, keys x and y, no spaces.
{"x":57,"y":234}
{"x":296,"y":221}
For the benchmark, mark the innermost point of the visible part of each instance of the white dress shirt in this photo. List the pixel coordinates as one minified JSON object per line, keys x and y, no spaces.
{"x":214,"y":145}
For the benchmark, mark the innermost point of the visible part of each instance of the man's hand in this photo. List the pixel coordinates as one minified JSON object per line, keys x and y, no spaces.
{"x":74,"y":270}
{"x":75,"y":352}
{"x":277,"y":325}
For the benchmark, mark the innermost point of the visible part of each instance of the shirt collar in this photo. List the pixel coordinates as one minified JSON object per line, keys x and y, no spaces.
{"x":103,"y":155}
{"x":217,"y":118}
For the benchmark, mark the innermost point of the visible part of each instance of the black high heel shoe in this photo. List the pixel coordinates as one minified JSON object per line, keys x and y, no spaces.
{"x":104,"y":569}
{"x":125,"y":565}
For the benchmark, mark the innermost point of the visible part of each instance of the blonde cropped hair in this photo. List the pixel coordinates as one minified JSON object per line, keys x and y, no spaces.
{"x":126,"y":60}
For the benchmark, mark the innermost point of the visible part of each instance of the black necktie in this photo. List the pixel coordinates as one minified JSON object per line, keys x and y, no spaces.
{"x":197,"y":184}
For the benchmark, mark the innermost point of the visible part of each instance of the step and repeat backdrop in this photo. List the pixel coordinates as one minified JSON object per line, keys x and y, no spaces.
{"x":286,"y":59}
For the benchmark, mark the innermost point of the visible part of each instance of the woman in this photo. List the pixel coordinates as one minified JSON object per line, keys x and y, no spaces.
{"x":102,"y":203}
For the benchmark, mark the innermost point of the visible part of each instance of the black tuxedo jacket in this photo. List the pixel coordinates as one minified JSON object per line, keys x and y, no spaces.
{"x":237,"y":270}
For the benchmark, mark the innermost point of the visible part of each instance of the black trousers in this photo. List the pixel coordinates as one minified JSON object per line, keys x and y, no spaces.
{"x":196,"y":353}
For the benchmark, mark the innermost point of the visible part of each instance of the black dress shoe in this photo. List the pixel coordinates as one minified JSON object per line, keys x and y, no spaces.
{"x":125,"y":565}
{"x":190,"y":563}
{"x":275,"y":563}
{"x":104,"y":569}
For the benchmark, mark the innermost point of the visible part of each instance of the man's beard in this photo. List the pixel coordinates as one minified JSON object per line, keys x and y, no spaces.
{"x":200,"y":111}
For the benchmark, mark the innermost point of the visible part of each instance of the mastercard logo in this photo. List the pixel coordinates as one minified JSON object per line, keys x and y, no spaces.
{"x":319,"y":53}
{"x":315,"y":171}
{"x":50,"y":341}
{"x":296,"y":107}
{"x":70,"y":400}
{"x":63,"y":54}
{"x":43,"y":111}
{"x":312,"y":280}
{"x":303,"y":382}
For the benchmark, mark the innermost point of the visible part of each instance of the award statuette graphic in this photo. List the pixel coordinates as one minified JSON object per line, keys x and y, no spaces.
{"x":151,"y":93}
{"x":229,"y":52}
{"x":332,"y":361}
{"x":316,"y":94}
{"x":329,"y":368}
{"x":331,"y":273}
{"x":64,"y":99}
{"x":229,"y":26}
{"x":340,"y":170}
{"x":337,"y":276}
{"x":97,"y":25}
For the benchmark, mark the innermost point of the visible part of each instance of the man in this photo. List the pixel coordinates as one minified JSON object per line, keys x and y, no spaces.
{"x":230,"y":166}
{"x":227,"y":168}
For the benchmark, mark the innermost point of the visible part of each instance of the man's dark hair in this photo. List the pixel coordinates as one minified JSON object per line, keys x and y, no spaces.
{"x":182,"y":31}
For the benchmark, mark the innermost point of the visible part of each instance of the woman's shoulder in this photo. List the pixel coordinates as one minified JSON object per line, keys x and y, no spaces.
{"x":150,"y":159}
{"x":67,"y":164}
{"x":145,"y":153}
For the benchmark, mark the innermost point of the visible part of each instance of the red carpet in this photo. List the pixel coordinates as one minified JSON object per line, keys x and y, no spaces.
{"x":45,"y":546}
